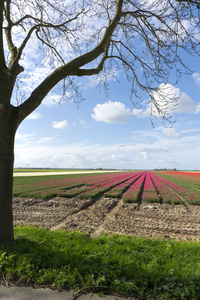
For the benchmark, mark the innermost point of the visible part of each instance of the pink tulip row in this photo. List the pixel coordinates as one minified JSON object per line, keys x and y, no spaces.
{"x":149,"y":192}
{"x":97,"y":190}
{"x":68,"y":183}
{"x":189,"y":196}
{"x":168,"y":195}
{"x":118,"y":190}
{"x":134,"y":191}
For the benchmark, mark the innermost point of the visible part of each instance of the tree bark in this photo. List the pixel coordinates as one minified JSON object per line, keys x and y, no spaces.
{"x":7,"y":134}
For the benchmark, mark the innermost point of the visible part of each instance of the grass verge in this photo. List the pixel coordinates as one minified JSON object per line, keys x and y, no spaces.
{"x":150,"y":269}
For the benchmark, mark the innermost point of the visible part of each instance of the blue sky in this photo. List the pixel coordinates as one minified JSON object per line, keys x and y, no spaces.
{"x":108,"y":131}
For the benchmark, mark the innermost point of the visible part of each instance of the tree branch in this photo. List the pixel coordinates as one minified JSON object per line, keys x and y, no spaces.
{"x":11,"y":46}
{"x":2,"y":58}
{"x":70,"y":68}
{"x":190,"y":1}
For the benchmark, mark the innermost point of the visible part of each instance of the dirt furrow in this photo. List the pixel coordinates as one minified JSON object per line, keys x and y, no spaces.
{"x":110,"y":215}
{"x":114,"y":211}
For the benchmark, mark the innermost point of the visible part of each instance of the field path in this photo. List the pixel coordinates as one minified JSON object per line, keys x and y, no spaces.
{"x":20,"y":174}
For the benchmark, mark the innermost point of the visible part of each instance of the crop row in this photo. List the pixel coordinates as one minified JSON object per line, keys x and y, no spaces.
{"x":130,"y":186}
{"x":187,"y":180}
{"x":149,"y":193}
{"x":190,"y":197}
{"x":60,"y":184}
{"x":89,"y":186}
{"x":167,"y":194}
{"x":193,"y":177}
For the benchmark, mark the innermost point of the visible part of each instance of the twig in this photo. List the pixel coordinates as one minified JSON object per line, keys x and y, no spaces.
{"x":5,"y":281}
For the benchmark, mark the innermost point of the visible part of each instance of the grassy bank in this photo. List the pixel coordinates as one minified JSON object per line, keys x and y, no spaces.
{"x":150,"y":269}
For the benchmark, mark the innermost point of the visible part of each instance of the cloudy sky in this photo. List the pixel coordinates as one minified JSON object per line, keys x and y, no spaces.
{"x":107,"y":131}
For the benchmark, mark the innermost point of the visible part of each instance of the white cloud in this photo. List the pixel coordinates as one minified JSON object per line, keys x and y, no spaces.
{"x":197,"y":108}
{"x":196,"y":77}
{"x":109,"y":76}
{"x":23,"y":137}
{"x":142,"y":113}
{"x":111,"y":112}
{"x":171,"y":133}
{"x":51,"y":99}
{"x":34,"y":116}
{"x":60,"y":125}
{"x":82,"y":121}
{"x":45,"y":139}
{"x":186,"y":104}
{"x":145,"y":155}
{"x":171,"y":100}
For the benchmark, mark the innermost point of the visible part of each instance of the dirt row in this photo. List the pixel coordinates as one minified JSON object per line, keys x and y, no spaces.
{"x":110,"y":215}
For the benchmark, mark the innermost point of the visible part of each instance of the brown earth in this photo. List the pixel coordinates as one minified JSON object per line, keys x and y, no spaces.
{"x":108,"y":215}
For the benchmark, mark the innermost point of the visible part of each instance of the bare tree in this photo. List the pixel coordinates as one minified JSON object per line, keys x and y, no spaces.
{"x":143,"y":38}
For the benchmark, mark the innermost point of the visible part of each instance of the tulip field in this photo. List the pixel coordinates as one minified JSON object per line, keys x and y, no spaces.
{"x":133,"y":187}
{"x":141,"y":203}
{"x":138,"y":213}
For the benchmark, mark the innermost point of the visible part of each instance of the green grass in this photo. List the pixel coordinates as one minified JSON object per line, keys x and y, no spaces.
{"x":150,"y":269}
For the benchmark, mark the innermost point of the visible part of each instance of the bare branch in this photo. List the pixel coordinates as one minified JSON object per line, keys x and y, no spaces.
{"x":8,"y":32}
{"x":2,"y":58}
{"x":68,"y":69}
{"x":86,"y":38}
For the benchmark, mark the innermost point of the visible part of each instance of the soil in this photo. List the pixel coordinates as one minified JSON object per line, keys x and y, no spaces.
{"x":109,"y":215}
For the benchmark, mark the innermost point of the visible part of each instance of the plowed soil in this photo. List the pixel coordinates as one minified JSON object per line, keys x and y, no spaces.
{"x":110,"y":216}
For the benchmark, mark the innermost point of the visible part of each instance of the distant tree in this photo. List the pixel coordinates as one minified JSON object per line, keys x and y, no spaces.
{"x":143,"y":38}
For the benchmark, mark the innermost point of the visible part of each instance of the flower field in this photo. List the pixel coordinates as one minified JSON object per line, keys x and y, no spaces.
{"x":135,"y":186}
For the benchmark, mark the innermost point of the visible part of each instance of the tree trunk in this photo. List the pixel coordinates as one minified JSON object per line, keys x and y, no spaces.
{"x":7,"y":134}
